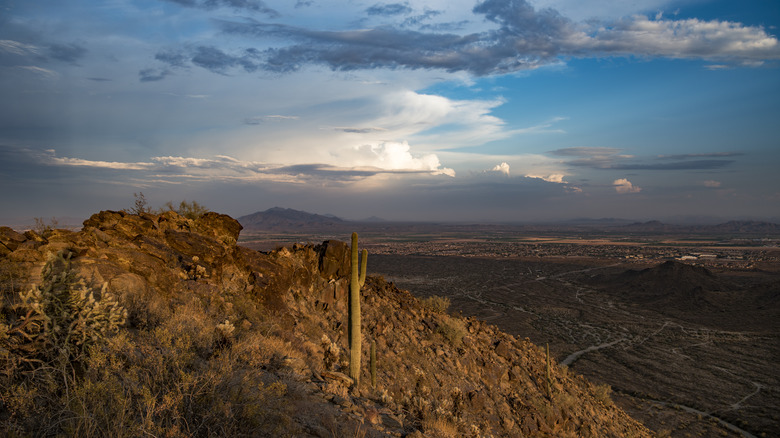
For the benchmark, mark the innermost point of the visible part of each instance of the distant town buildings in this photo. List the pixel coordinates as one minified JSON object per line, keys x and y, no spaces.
{"x":733,"y":257}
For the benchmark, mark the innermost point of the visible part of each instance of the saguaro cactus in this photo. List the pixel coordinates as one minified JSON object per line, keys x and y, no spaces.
{"x":356,"y":282}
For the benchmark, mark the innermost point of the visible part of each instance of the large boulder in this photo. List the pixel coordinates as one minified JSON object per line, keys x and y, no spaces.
{"x":10,"y":240}
{"x":122,"y":223}
{"x":223,"y":227}
{"x":334,"y":259}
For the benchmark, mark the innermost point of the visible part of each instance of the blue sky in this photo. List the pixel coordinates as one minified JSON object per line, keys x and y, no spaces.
{"x":494,"y":110}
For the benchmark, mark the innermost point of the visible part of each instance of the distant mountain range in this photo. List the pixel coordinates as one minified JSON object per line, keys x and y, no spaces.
{"x":287,"y":219}
{"x":731,"y":227}
{"x":279,"y":219}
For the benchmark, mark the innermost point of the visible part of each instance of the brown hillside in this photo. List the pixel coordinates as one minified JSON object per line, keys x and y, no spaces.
{"x":158,"y":325}
{"x":675,"y":286}
{"x":671,"y":274}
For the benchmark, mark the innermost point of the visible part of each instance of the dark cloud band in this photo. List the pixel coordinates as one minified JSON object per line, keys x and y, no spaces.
{"x":246,"y":5}
{"x":389,"y":9}
{"x":525,"y":38}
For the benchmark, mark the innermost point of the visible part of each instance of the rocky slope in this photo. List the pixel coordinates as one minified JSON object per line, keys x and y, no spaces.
{"x":174,"y":330}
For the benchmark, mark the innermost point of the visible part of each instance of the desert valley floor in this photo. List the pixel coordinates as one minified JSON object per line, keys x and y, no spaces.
{"x":684,"y":349}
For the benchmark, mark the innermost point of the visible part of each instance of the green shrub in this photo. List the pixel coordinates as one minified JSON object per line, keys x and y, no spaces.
{"x":453,"y":330}
{"x":190,"y":210}
{"x":602,"y":394}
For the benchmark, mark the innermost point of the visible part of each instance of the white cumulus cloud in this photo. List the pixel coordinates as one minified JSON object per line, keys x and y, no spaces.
{"x":503,"y":168}
{"x":624,"y":186}
{"x":391,"y":155}
{"x":554,"y":178}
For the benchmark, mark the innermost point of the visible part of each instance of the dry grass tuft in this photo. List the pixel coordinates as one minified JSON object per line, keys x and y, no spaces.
{"x":435,"y":303}
{"x":603,"y":394}
{"x":440,"y":427}
{"x":453,"y":330}
{"x":68,"y":370}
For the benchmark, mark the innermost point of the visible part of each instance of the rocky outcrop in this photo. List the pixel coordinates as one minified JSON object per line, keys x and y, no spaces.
{"x":334,"y":259}
{"x":10,"y":240}
{"x":280,"y":318}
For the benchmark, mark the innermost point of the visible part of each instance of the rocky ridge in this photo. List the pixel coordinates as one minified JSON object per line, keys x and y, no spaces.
{"x":223,"y":340}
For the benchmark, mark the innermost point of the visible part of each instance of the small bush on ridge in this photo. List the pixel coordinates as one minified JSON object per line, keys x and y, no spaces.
{"x":190,"y":210}
{"x":435,"y":303}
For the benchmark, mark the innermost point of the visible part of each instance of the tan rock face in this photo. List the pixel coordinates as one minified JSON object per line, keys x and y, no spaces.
{"x":10,"y":239}
{"x":220,"y":226}
{"x":334,"y":259}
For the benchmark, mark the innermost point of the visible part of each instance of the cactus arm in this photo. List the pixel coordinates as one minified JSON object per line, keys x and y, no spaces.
{"x":363,"y":265}
{"x":354,"y":253}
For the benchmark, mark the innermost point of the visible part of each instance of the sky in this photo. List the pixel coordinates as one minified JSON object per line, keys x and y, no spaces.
{"x":456,"y":110}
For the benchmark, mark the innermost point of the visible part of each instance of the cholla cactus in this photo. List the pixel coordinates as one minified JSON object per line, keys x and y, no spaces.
{"x":62,"y":317}
{"x":226,"y":329}
{"x":331,"y":352}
